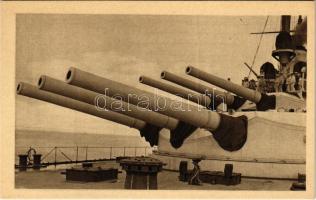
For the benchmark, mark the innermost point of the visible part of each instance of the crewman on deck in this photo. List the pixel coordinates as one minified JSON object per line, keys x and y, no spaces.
{"x":303,"y":77}
{"x":300,"y":87}
{"x":288,"y":83}
{"x":282,"y":85}
{"x":245,"y":82}
{"x":292,"y":81}
{"x":261,"y":84}
{"x":297,"y":77}
{"x":277,"y":83}
{"x":252,"y":84}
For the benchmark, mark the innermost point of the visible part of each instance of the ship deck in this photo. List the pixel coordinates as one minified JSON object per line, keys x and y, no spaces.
{"x":51,"y":178}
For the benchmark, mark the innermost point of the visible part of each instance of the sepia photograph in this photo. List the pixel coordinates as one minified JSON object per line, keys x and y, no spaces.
{"x":162,"y":102}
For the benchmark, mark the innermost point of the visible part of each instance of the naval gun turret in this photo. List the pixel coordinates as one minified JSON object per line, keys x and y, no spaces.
{"x":229,"y":132}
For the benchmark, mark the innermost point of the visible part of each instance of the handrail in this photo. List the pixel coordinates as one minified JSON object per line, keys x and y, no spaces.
{"x":87,"y":152}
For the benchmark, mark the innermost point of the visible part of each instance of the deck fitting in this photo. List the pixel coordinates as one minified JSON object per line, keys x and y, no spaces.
{"x":141,"y":172}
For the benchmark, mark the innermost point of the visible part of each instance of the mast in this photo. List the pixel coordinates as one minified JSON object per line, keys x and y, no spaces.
{"x":285,"y":23}
{"x":284,"y":48}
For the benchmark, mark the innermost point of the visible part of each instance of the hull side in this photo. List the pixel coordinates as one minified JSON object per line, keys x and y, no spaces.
{"x":275,"y":147}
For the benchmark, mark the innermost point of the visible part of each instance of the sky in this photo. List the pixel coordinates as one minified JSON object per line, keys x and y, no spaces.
{"x":124,"y":47}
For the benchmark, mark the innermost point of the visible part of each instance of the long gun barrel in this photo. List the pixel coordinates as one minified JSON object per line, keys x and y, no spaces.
{"x":200,"y":99}
{"x":249,"y":94}
{"x":28,"y":90}
{"x":104,"y":102}
{"x":196,"y":116}
{"x":229,"y":132}
{"x":232,"y":101}
{"x":264,"y":102}
{"x":198,"y":87}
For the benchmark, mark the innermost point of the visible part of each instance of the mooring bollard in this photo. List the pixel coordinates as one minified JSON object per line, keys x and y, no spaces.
{"x":183,"y":169}
{"x":228,"y":171}
{"x":37,"y":161}
{"x":141,"y":172}
{"x":22,"y":162}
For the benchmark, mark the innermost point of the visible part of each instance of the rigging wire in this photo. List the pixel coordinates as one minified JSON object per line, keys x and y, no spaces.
{"x":274,"y":28}
{"x":255,"y":56}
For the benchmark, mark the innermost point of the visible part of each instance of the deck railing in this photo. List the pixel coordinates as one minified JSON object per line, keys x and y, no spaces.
{"x":72,"y":154}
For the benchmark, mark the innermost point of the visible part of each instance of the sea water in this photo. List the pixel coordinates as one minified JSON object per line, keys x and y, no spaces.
{"x":61,"y":146}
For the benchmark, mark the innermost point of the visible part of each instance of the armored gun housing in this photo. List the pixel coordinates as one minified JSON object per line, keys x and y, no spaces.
{"x":191,"y":117}
{"x":276,"y":125}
